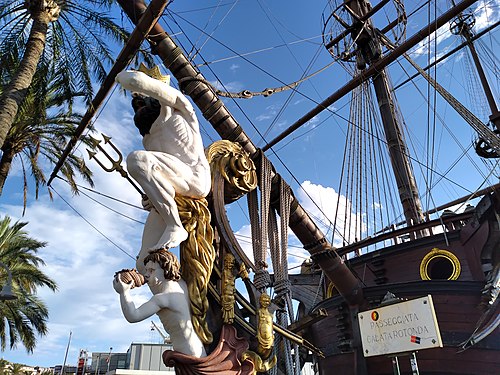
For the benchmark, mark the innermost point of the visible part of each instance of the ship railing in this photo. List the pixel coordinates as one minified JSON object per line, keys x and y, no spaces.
{"x":449,"y":222}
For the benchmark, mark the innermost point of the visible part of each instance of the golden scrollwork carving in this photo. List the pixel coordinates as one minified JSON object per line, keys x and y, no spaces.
{"x":260,"y":364}
{"x":228,"y":288}
{"x":197,"y":259}
{"x":234,"y":164}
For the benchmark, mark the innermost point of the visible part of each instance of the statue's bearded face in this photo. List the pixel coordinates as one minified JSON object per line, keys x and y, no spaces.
{"x":146,"y":110}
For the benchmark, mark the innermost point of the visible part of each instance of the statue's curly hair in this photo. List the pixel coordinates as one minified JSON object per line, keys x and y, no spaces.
{"x":167,"y":261}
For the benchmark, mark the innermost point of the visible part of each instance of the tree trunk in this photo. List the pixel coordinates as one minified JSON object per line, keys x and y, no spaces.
{"x":15,"y":92}
{"x":5,"y":163}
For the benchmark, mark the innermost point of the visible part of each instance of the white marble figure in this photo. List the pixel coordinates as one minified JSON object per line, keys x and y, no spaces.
{"x":170,"y":301}
{"x":173,"y":161}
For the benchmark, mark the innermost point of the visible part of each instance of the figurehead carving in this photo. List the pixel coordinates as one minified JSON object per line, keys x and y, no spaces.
{"x":170,"y":301}
{"x":174,"y":174}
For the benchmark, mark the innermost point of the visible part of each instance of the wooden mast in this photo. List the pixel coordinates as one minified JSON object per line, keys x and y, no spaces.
{"x":462,"y":25}
{"x":368,"y":53}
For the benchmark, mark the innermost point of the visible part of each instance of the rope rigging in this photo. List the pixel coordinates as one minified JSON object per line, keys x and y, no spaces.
{"x":239,"y":107}
{"x":247,"y":94}
{"x":92,"y":225}
{"x":265,"y":229}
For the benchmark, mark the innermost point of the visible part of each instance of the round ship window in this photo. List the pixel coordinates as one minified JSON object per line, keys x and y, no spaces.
{"x":440,"y":265}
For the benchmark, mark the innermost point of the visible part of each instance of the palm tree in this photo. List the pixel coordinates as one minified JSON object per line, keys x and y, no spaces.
{"x":70,"y":34}
{"x":17,"y":369}
{"x":22,"y":319}
{"x":42,"y":127}
{"x":4,"y":367}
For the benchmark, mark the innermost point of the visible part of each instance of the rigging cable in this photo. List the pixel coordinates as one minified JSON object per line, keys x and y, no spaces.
{"x":104,"y":195}
{"x":265,"y":49}
{"x":92,"y":225}
{"x":198,"y":50}
{"x":301,"y":94}
{"x":307,"y":69}
{"x":272,"y":76}
{"x":206,"y":8}
{"x":464,"y":152}
{"x":193,"y":47}
{"x":473,"y":195}
{"x":244,"y":114}
{"x":107,"y":207}
{"x":292,"y":93}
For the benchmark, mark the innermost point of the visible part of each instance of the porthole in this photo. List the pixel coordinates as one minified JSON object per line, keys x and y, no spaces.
{"x":440,"y":265}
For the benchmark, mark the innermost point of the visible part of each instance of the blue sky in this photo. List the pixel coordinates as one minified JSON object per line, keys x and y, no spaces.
{"x":279,"y":41}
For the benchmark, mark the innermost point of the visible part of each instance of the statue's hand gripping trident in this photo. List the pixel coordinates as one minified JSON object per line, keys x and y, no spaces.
{"x":116,"y":165}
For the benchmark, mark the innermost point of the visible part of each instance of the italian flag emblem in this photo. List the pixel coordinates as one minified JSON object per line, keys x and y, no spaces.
{"x":415,"y":339}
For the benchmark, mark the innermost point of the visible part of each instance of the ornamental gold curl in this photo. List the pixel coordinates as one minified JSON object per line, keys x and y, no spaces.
{"x":259,"y":363}
{"x":234,"y":164}
{"x":197,"y":259}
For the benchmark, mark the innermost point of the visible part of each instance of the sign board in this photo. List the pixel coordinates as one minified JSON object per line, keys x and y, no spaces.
{"x":402,"y":327}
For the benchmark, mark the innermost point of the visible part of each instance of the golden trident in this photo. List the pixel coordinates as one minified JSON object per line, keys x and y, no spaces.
{"x":116,"y":165}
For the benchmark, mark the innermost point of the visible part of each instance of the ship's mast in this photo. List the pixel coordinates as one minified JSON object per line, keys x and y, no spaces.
{"x":463,"y":25}
{"x":369,"y":52}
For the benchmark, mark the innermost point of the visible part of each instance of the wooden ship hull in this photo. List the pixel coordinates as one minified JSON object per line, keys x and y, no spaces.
{"x":461,"y":271}
{"x":456,"y":305}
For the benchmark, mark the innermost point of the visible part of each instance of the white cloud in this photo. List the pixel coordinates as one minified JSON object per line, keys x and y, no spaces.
{"x":269,"y":113}
{"x":296,"y":254}
{"x":281,"y":124}
{"x":432,"y":42}
{"x":312,"y":123}
{"x":323,"y":212}
{"x":326,"y":198}
{"x":234,"y":67}
{"x":233,"y":86}
{"x":486,"y":13}
{"x":82,"y":262}
{"x":263,"y":117}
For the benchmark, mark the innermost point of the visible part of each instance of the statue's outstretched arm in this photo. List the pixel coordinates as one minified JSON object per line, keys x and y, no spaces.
{"x":136,"y":81}
{"x":136,"y":314}
{"x":146,"y":310}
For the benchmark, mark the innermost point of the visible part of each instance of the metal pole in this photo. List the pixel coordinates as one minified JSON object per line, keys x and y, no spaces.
{"x":413,"y":364}
{"x":85,"y":362}
{"x":395,"y":366}
{"x":109,"y":359}
{"x":66,"y":355}
{"x":98,"y":363}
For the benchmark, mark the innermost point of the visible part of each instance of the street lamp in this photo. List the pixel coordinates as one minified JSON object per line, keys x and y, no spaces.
{"x":6,"y":292}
